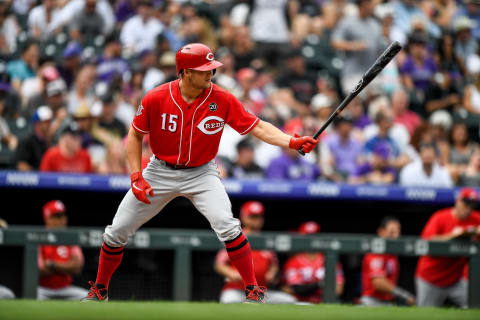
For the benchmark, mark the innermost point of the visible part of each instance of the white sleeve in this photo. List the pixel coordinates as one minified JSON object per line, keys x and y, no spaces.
{"x":106,"y":11}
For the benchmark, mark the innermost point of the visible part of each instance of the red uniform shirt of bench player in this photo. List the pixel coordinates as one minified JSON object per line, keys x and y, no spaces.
{"x":262,"y":261}
{"x":170,"y":120}
{"x":59,"y":254}
{"x":440,"y":271}
{"x":378,"y":265}
{"x":299,"y":270}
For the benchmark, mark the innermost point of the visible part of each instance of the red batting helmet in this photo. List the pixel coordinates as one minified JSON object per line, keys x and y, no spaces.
{"x":196,"y":56}
{"x":309,"y":227}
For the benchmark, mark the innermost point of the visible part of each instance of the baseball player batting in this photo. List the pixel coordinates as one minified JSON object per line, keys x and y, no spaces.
{"x":185,"y":120}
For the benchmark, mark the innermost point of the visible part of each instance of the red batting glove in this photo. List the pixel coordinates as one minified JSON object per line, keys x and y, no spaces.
{"x":140,"y":187}
{"x":306,"y":143}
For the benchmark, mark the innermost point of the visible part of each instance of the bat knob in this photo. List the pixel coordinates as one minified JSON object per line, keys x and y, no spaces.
{"x":301,"y":151}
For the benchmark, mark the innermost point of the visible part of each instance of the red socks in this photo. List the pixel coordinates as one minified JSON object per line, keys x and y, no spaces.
{"x":240,"y":255}
{"x":110,"y":258}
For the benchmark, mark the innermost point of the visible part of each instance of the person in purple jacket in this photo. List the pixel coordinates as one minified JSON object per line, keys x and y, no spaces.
{"x":290,"y":165}
{"x":376,"y":170}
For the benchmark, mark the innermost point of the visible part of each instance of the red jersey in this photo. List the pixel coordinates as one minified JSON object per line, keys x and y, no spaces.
{"x":378,"y":265}
{"x":439,"y":271}
{"x":54,"y":161}
{"x":57,"y":254}
{"x":262,"y":261}
{"x":300,"y":269}
{"x":189,"y":134}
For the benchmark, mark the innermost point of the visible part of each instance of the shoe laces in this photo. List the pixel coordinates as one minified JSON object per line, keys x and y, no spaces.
{"x":256,"y":293}
{"x":96,"y":291}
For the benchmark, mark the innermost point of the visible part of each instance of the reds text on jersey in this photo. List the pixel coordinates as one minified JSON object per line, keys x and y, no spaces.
{"x":189,"y":134}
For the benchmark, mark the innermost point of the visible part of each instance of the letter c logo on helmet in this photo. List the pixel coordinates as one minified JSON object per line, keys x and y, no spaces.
{"x":196,"y":56}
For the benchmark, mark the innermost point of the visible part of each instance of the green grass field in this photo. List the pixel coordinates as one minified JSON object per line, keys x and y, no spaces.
{"x":28,"y":309}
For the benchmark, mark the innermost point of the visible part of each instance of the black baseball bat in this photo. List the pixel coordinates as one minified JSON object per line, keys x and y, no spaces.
{"x":371,"y":73}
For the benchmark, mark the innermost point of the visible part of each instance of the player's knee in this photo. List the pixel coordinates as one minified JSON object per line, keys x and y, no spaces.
{"x":227,"y":229}
{"x":115,"y":237}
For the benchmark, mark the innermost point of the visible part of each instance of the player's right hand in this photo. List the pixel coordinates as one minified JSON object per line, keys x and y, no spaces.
{"x":306,"y":143}
{"x":140,"y":187}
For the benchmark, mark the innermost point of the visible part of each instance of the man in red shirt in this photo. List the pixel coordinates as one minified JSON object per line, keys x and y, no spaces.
{"x":439,"y":278}
{"x":304,"y":273}
{"x":265,"y":262}
{"x":57,"y":264}
{"x":380,"y":272}
{"x":185,"y":120}
{"x":68,"y":155}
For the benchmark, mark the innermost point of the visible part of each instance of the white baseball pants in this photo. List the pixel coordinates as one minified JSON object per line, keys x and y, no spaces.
{"x":201,"y":185}
{"x":67,"y":293}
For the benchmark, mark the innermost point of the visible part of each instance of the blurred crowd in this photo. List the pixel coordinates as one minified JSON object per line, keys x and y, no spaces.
{"x":72,"y":74}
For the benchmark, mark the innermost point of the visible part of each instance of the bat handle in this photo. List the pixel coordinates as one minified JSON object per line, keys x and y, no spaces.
{"x":301,"y":151}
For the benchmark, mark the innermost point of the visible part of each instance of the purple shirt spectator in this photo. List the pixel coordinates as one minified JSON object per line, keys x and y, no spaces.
{"x":107,"y":68}
{"x":367,"y":168}
{"x":361,"y":122}
{"x":421,"y":75}
{"x":288,"y":168}
{"x":125,"y":9}
{"x":344,"y":153}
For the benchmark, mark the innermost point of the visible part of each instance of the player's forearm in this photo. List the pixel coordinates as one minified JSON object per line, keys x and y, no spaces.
{"x":270,"y":134}
{"x":383,"y":284}
{"x":134,"y":150}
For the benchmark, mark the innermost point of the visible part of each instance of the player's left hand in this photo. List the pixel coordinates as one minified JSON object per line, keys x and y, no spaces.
{"x":140,"y":187}
{"x":306,"y":143}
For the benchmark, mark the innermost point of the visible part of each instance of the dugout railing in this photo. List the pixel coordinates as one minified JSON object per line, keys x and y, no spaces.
{"x":183,"y":242}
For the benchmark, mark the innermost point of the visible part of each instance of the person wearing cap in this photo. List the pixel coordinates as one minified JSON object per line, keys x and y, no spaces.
{"x":32,"y":148}
{"x":57,"y":264}
{"x":249,"y":95}
{"x":185,"y":120}
{"x":427,"y":172}
{"x":376,"y":170}
{"x":439,"y":278}
{"x":304,"y":273}
{"x":380,"y":272}
{"x":70,"y":62}
{"x":68,"y":155}
{"x":322,"y":107}
{"x":265,"y":262}
{"x":465,"y":45}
